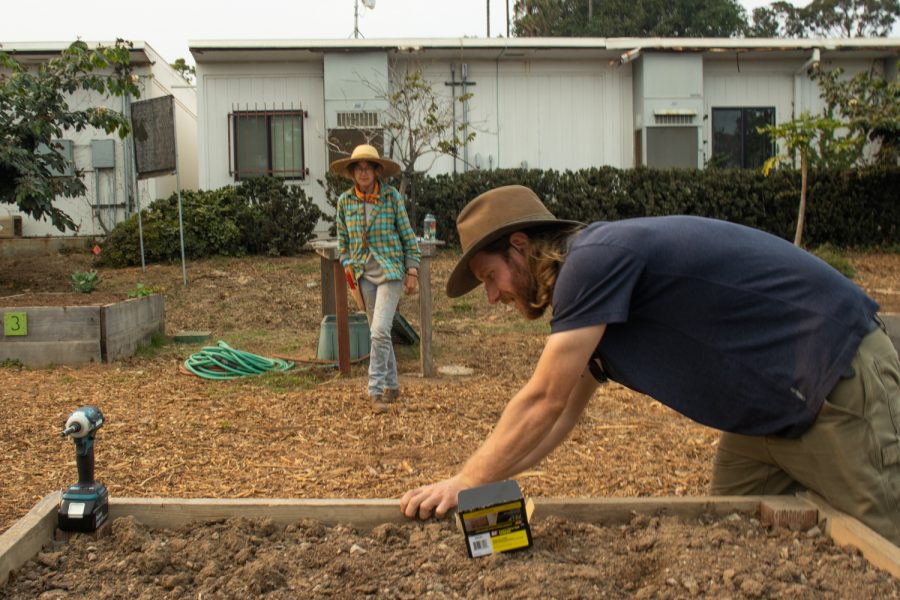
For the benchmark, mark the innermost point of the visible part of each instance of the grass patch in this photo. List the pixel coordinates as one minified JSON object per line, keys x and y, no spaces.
{"x":298,"y":378}
{"x":153,"y":346}
{"x":463,"y":306}
{"x":307,"y":268}
{"x":834,"y":257}
{"x":250,"y":337}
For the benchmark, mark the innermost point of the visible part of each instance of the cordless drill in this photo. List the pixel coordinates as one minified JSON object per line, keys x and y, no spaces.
{"x":85,"y":505}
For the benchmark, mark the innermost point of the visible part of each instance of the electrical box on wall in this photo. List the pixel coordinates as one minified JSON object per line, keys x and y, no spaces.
{"x":103,"y":154}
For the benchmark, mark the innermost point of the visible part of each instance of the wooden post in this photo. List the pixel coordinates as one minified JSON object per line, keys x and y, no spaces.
{"x":342,"y":321}
{"x":327,"y":283}
{"x":333,"y":272}
{"x":426,"y":361}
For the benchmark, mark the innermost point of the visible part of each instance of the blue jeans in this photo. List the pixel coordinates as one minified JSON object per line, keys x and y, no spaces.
{"x":381,"y":304}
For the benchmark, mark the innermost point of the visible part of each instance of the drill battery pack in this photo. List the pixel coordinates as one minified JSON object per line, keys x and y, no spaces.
{"x":84,"y":508}
{"x":494,"y":518}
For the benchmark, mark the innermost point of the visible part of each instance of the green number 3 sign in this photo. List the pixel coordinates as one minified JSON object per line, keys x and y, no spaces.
{"x":15,"y":323}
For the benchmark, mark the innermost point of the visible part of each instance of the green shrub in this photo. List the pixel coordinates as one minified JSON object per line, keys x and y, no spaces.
{"x":140,"y":290}
{"x":259,"y":216}
{"x":280,"y":220}
{"x":85,"y":282}
{"x":847,"y":208}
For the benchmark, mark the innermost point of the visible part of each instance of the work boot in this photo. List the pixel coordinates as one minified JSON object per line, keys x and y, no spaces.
{"x":378,"y":404}
{"x":391,"y":395}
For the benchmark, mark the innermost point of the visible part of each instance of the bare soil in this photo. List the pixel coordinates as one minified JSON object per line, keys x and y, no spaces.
{"x":649,"y":557}
{"x":308,"y":433}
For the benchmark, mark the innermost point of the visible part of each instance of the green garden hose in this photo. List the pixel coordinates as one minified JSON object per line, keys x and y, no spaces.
{"x":224,"y":362}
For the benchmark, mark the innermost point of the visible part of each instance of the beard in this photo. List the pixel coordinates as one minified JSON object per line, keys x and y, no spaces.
{"x":526,"y":291}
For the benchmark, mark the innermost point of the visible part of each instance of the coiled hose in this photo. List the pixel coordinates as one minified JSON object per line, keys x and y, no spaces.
{"x":224,"y":362}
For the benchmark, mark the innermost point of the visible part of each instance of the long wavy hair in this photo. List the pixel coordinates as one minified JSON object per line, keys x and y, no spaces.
{"x":546,"y":253}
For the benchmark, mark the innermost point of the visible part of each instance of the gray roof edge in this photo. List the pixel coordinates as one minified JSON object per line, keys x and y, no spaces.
{"x":538,"y":43}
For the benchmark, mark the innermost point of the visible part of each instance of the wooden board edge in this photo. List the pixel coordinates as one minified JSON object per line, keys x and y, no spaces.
{"x":175,"y":512}
{"x":845,"y":530}
{"x":21,"y":542}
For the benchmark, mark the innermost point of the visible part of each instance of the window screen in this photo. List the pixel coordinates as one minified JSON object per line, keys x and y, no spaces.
{"x":268,"y":143}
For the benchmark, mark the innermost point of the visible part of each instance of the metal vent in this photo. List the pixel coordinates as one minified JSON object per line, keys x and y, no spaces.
{"x":674,"y":119}
{"x":357,"y":118}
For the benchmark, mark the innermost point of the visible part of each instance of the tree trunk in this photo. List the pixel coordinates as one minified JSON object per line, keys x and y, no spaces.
{"x":801,"y":213}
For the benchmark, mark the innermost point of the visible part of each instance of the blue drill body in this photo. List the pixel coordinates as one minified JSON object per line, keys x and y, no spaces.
{"x":85,"y":505}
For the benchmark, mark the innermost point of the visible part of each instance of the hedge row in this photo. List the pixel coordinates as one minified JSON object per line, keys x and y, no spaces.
{"x":259,"y":216}
{"x":853,"y":208}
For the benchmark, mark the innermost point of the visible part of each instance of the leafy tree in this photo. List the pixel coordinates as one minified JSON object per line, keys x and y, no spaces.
{"x":865,"y":108}
{"x":629,"y":18}
{"x":869,"y":106}
{"x":187,"y":72}
{"x":35,"y":111}
{"x":826,"y":18}
{"x":813,"y":140}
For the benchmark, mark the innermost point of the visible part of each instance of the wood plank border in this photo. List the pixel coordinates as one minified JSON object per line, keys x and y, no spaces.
{"x":27,"y":536}
{"x":76,"y":335}
{"x":125,"y":325}
{"x":21,"y":542}
{"x":844,"y":530}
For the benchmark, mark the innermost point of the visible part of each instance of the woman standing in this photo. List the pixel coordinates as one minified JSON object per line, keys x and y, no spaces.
{"x":378,"y":250}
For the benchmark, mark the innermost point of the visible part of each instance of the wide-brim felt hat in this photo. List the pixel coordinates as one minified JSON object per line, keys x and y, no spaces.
{"x":369,"y":154}
{"x":489,"y":216}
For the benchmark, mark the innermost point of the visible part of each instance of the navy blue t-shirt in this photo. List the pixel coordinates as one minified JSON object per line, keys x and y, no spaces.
{"x":730,"y":326}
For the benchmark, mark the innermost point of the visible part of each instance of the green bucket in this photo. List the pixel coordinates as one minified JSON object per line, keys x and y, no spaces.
{"x":359,"y":337}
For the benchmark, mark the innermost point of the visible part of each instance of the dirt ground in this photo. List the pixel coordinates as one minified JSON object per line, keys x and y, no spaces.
{"x":732,"y":557}
{"x":309,"y":433}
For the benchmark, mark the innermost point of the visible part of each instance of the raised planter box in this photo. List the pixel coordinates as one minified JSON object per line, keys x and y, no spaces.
{"x":74,"y":335}
{"x":27,"y":536}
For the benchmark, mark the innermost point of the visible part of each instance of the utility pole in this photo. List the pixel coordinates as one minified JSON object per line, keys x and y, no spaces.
{"x":590,"y":10}
{"x":489,"y":18}
{"x":507,"y":18}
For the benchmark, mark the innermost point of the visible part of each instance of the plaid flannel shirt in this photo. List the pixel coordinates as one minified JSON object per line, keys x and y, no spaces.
{"x":388,"y":233}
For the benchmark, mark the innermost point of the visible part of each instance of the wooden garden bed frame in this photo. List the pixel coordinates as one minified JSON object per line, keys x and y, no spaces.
{"x":27,"y":536}
{"x":75,"y":335}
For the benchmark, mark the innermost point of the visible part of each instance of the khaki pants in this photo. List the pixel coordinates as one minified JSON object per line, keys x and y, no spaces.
{"x":850,"y":456}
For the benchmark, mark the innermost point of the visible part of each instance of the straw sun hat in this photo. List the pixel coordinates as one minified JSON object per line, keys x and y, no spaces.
{"x":369,"y":154}
{"x":491,"y":215}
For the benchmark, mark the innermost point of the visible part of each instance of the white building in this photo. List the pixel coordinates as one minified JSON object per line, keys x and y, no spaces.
{"x":113,"y":189}
{"x":544,"y":103}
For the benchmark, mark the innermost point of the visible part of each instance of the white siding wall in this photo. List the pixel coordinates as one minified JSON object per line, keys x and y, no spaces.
{"x":779,"y":83}
{"x":727,"y":84}
{"x":222,"y":88}
{"x":546,"y":114}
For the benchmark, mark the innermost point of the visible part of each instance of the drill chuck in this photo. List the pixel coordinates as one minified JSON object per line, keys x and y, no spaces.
{"x":83,"y":422}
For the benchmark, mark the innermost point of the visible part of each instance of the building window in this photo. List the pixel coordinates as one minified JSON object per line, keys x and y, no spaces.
{"x":268,"y":142}
{"x":736,"y":142}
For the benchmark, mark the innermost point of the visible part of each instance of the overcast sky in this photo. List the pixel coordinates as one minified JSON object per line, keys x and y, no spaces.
{"x":168,"y":25}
